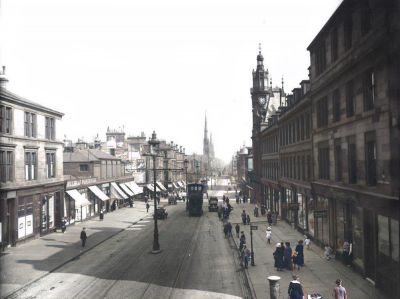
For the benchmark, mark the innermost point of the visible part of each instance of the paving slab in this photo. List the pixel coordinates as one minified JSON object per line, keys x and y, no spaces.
{"x":317,"y":276}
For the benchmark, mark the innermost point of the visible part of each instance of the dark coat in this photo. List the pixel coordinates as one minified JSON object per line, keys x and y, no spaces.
{"x":278,"y":257}
{"x":83,"y":235}
{"x":299,"y":260}
{"x":295,"y":290}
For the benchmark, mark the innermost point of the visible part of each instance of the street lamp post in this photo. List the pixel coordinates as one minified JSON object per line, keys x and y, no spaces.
{"x":153,"y":142}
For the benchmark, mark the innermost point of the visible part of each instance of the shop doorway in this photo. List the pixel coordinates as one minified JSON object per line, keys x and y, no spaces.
{"x":370,"y":248}
{"x":10,"y":223}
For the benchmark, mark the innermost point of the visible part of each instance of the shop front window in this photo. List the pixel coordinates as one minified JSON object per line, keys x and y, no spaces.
{"x":301,"y":199}
{"x":358,"y":237}
{"x":340,"y":225}
{"x":311,"y":210}
{"x":321,"y":220}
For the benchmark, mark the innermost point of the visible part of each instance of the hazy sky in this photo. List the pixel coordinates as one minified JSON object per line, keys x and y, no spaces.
{"x":156,"y":64}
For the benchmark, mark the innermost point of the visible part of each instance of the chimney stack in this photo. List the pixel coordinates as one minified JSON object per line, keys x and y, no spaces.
{"x":3,"y":79}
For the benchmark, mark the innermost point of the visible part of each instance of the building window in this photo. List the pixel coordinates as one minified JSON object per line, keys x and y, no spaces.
{"x":369,"y":90}
{"x":334,"y":44}
{"x":6,"y":166}
{"x":302,"y":127}
{"x":320,"y":58}
{"x":322,"y":112}
{"x":352,"y":160}
{"x":298,"y":129}
{"x":50,"y":164}
{"x":336,"y":105}
{"x":350,"y":103}
{"x":348,"y":32}
{"x":308,"y":125}
{"x":388,"y":237}
{"x":338,"y":160}
{"x":370,"y":158}
{"x":30,"y":124}
{"x":309,"y":165}
{"x":5,"y":119}
{"x":84,"y":167}
{"x":323,"y":161}
{"x":50,"y":128}
{"x":30,"y":165}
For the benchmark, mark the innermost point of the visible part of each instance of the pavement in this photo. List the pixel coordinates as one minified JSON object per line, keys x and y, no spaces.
{"x":318,"y":275}
{"x":20,"y":266}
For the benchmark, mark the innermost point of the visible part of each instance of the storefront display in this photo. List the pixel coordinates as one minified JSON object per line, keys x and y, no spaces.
{"x":301,"y":213}
{"x":358,"y":237}
{"x":25,"y":216}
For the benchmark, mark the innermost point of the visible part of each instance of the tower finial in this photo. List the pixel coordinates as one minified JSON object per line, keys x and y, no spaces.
{"x":259,"y":48}
{"x":282,"y":83}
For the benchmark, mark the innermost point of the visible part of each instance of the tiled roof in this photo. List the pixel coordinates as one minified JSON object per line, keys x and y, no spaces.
{"x":87,"y":155}
{"x":7,"y":95}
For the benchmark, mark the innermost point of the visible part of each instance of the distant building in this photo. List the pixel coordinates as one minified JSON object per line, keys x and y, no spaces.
{"x":31,"y":168}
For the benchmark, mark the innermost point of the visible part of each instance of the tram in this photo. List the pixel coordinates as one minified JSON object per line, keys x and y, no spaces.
{"x":195,"y":199}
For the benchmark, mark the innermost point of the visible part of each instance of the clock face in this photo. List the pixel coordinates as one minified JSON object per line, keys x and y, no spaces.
{"x":262,"y":100}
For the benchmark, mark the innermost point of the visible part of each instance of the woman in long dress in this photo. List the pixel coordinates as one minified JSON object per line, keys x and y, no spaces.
{"x":299,"y":260}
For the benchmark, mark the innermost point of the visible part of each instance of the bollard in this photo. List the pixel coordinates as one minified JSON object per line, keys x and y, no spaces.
{"x":274,"y":286}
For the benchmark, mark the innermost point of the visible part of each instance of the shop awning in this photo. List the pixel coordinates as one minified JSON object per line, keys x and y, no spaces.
{"x":126,"y":189}
{"x":251,"y":188}
{"x":151,"y":188}
{"x":100,"y":194}
{"x":134,"y":187}
{"x":159,"y":184}
{"x":117,"y":192}
{"x":180,"y":184}
{"x":175,"y":186}
{"x":79,"y":199}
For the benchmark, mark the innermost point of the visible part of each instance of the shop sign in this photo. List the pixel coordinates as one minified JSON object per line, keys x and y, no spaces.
{"x":253,"y":227}
{"x":320,"y":214}
{"x":293,"y":206}
{"x":76,"y":183}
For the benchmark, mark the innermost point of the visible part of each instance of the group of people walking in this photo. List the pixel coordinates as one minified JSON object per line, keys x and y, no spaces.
{"x":286,"y":258}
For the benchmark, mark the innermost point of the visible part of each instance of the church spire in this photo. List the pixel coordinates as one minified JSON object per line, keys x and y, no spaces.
{"x":205,"y":139}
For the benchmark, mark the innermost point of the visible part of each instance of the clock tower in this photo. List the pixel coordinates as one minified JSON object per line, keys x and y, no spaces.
{"x":260,"y":93}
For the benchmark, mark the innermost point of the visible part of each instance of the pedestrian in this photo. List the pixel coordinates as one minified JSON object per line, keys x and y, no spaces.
{"x":269,"y":218}
{"x":278,"y":257}
{"x":299,"y":256}
{"x":274,"y":217}
{"x":307,"y":242}
{"x":64,"y":225}
{"x":247,"y":257}
{"x":229,"y":229}
{"x":262,"y":210}
{"x":147,"y":207}
{"x":339,"y":292}
{"x":328,"y":252}
{"x":347,"y":251}
{"x":83,"y":236}
{"x":295,"y":289}
{"x":242,"y":255}
{"x":226,"y":229}
{"x":237,"y":229}
{"x":268,"y":234}
{"x":255,"y":211}
{"x":288,"y":256}
{"x":248,"y":219}
{"x":244,"y":217}
{"x":242,"y":240}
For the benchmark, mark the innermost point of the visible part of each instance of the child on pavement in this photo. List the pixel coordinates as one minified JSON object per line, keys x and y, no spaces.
{"x":268,"y":234}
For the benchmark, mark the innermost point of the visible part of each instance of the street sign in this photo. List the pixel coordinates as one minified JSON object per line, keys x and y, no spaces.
{"x":253,"y":227}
